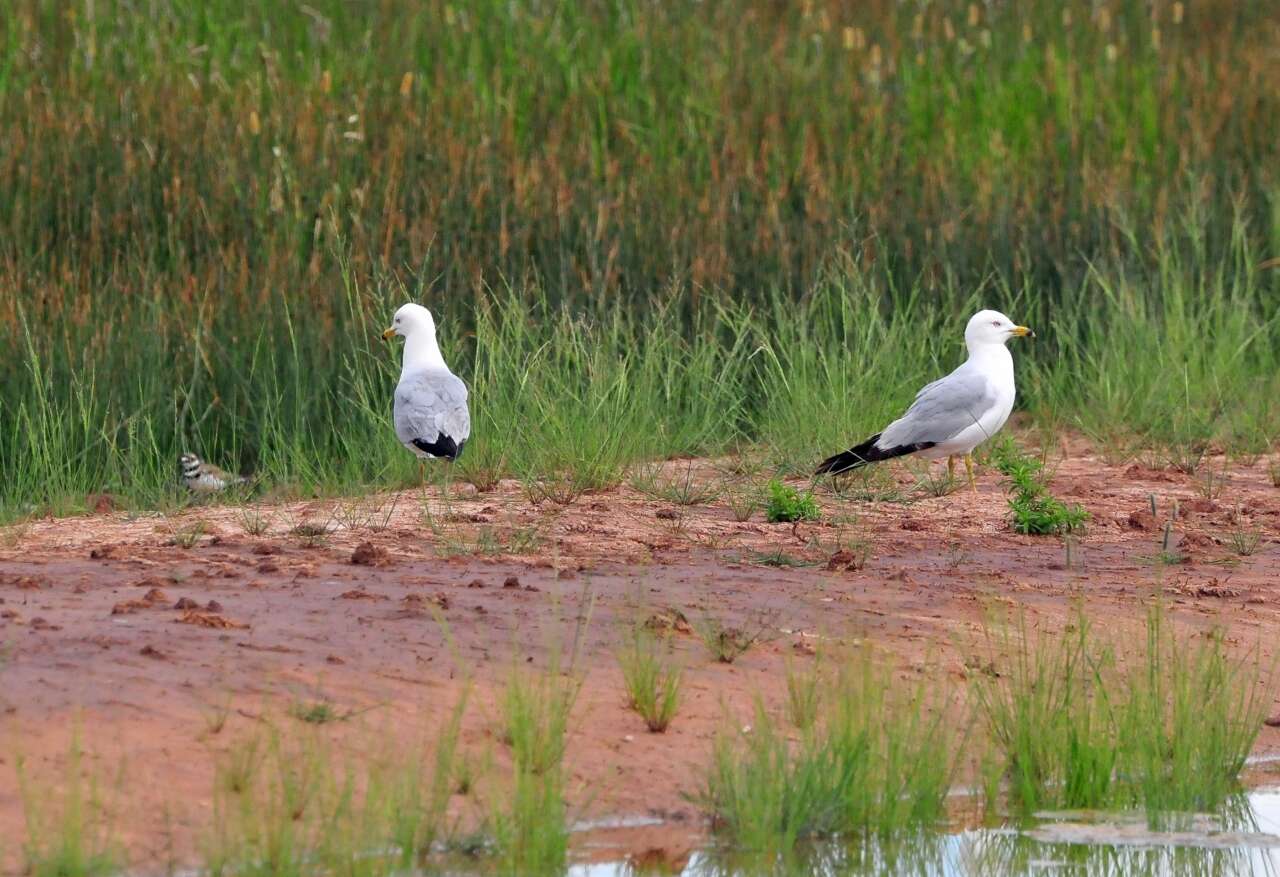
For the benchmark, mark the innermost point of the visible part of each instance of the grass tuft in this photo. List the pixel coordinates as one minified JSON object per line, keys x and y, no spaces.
{"x":651,"y":678}
{"x":68,"y":835}
{"x":1081,"y":723}
{"x":879,"y":760}
{"x":727,"y":644}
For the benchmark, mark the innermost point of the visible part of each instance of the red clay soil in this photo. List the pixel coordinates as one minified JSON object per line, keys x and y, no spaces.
{"x":110,"y":626}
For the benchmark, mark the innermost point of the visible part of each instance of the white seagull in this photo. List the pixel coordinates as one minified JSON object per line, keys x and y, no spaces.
{"x":952,"y":415}
{"x":431,"y":416}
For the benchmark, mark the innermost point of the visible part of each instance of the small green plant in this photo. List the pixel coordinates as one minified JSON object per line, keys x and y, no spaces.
{"x":788,"y":505}
{"x":804,"y":690}
{"x":253,"y":521}
{"x":1244,"y":542}
{"x":651,"y":678}
{"x":310,"y":534}
{"x":188,"y":535}
{"x":742,"y":503}
{"x":216,"y":715}
{"x":317,"y":712}
{"x":934,"y":482}
{"x":1211,"y":483}
{"x":779,"y":558}
{"x":74,"y":838}
{"x":1035,"y":511}
{"x":681,"y":489}
{"x":727,"y":644}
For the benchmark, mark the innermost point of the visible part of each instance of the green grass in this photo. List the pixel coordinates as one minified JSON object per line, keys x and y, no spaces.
{"x":878,"y":760}
{"x":295,"y":804}
{"x":1082,"y":722}
{"x":637,"y":247}
{"x":68,"y":831}
{"x":788,"y":505}
{"x":651,"y":677}
{"x":531,"y":831}
{"x":1034,"y":510}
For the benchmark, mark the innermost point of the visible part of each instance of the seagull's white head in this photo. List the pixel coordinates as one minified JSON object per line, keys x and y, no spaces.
{"x":991,"y":327}
{"x":410,"y":320}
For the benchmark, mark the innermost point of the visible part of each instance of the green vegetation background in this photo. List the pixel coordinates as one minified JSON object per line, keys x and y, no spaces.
{"x":647,"y":228}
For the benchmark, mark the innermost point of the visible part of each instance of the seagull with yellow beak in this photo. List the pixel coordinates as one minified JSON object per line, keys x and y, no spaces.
{"x":953,"y":415}
{"x":430,"y":412}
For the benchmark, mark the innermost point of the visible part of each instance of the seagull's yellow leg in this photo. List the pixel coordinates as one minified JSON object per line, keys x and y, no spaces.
{"x":951,"y":467}
{"x":968,"y":467}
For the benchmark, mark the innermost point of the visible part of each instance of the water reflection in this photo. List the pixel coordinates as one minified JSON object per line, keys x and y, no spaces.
{"x":1243,"y":840}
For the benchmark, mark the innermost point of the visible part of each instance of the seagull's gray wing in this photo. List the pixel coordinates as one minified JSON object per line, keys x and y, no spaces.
{"x":942,"y":410}
{"x":431,"y":404}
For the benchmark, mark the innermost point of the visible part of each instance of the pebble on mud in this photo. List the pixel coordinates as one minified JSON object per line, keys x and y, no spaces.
{"x":185,"y":604}
{"x":149,"y":651}
{"x":511,"y":582}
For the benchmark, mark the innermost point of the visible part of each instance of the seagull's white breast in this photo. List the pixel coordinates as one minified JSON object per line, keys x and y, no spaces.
{"x":997,"y":366}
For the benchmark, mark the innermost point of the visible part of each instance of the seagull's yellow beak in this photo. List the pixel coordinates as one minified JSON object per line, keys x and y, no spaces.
{"x":1020,"y":331}
{"x":389,"y":334}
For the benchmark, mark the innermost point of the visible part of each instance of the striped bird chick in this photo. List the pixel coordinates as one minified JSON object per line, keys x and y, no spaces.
{"x":205,"y":478}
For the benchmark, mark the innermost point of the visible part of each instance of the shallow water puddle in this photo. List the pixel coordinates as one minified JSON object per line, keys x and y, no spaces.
{"x":1244,"y":840}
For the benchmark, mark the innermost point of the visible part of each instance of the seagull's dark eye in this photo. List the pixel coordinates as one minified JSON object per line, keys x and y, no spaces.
{"x":996,"y":323}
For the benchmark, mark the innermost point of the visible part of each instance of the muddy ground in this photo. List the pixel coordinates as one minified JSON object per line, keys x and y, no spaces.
{"x":145,"y":633}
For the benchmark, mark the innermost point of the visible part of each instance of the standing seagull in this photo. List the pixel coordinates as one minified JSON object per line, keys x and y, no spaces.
{"x":430,"y":412}
{"x":952,"y":415}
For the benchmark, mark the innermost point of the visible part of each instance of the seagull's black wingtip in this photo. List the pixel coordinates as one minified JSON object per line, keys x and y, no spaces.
{"x":867,"y":452}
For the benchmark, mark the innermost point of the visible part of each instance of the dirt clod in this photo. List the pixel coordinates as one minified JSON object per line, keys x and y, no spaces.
{"x":185,"y":603}
{"x":368,"y":554}
{"x":209,"y":619}
{"x":1143,"y":520}
{"x":668,"y":621}
{"x":846,"y":561}
{"x":511,"y":582}
{"x":102,"y":503}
